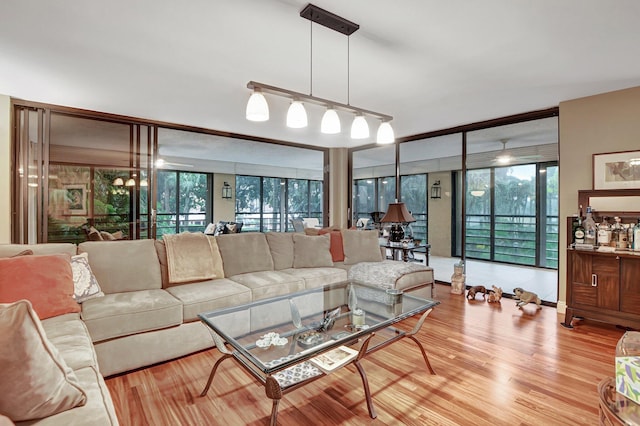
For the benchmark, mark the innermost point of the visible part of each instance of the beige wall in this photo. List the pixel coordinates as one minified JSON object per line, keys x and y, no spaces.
{"x":338,"y":187}
{"x":224,"y":210}
{"x":608,"y":122}
{"x":5,"y":169}
{"x":440,"y":215}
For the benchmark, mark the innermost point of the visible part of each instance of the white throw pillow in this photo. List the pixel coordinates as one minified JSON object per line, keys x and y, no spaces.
{"x":35,"y":381}
{"x":85,"y":284}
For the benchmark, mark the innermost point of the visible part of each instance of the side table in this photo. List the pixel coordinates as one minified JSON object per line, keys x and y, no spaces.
{"x":409,"y":249}
{"x":616,"y":409}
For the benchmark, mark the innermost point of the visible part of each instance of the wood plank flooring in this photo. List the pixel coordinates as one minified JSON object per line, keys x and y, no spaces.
{"x":495,"y":365}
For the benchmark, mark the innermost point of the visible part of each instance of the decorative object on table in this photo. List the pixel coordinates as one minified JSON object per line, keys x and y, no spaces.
{"x":524,"y":297}
{"x":628,"y":366}
{"x":334,"y":359}
{"x":458,"y":278}
{"x":329,"y":320}
{"x":357,"y":318}
{"x":295,"y":314}
{"x":398,"y":215}
{"x":310,"y":338}
{"x":471,"y":294}
{"x":495,"y":294}
{"x":616,"y":170}
{"x":362,"y":223}
{"x":270,"y":339}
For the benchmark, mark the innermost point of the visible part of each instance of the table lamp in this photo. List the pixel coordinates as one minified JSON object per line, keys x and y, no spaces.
{"x":397,"y":214}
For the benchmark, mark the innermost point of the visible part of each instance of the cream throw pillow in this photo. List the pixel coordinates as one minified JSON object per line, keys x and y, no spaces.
{"x":360,"y":246}
{"x":85,"y":284}
{"x":35,"y":381}
{"x":311,"y":251}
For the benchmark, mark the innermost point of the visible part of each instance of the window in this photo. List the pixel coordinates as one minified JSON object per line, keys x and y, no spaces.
{"x":266,"y":204}
{"x":183,"y":202}
{"x":413,"y":192}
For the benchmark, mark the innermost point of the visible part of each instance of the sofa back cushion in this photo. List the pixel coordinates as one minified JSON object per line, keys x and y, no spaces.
{"x":8,"y":250}
{"x":360,"y":246}
{"x":281,"y":246}
{"x":311,"y":251}
{"x":125,"y":265}
{"x":245,"y":252}
{"x":45,"y":280}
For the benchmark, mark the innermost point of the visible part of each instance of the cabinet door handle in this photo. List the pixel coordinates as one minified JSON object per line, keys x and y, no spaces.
{"x":594,"y":280}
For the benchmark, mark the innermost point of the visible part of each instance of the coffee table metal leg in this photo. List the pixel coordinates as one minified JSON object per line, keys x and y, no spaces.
{"x":412,"y":334}
{"x":213,"y":373}
{"x":273,"y":390}
{"x":363,"y":375}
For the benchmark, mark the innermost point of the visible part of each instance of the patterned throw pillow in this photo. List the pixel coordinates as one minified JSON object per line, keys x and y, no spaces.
{"x":85,"y":284}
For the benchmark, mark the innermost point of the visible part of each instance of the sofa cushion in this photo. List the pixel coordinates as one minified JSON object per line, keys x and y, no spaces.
{"x":209,"y":295}
{"x":392,"y":274}
{"x":121,"y":314}
{"x":281,"y":246}
{"x":360,"y":246}
{"x":70,"y":336}
{"x":318,"y":277}
{"x":265,"y":284}
{"x":35,"y":381}
{"x":311,"y":252}
{"x":124,"y":265}
{"x":45,"y":280}
{"x":85,"y":284}
{"x":245,"y":252}
{"x":337,"y":246}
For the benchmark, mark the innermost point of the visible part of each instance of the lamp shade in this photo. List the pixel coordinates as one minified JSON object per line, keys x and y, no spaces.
{"x":257,"y":108}
{"x":330,"y":122}
{"x":130,"y":182}
{"x":359,"y":128}
{"x":118,"y":181}
{"x":385,"y":133}
{"x":296,"y":116}
{"x":397,"y":213}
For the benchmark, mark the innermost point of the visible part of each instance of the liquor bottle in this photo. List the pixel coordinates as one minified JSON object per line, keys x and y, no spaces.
{"x":604,"y":232}
{"x":632,"y":227}
{"x":589,"y":228}
{"x":578,"y":233}
{"x":636,"y":236}
{"x":615,"y":232}
{"x":623,"y":240}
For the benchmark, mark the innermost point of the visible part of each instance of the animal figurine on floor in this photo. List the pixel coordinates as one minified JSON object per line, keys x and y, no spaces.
{"x":495,"y":295}
{"x":477,"y":289}
{"x":524,"y":297}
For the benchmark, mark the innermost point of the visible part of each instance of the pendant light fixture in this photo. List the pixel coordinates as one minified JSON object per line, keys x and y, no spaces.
{"x":258,"y":109}
{"x":330,"y":122}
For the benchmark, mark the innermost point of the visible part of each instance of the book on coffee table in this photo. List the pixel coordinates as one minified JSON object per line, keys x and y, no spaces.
{"x":334,"y":359}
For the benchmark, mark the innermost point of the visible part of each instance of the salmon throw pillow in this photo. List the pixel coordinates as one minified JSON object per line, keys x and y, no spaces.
{"x":46,"y":281}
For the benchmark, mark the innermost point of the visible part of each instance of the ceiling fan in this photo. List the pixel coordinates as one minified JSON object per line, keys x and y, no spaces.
{"x":161,"y":163}
{"x":506,"y":156}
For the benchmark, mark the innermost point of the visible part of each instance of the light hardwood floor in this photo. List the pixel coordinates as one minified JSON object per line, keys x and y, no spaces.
{"x":495,"y":365}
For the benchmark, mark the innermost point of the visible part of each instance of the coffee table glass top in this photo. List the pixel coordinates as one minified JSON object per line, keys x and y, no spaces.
{"x":275,"y":333}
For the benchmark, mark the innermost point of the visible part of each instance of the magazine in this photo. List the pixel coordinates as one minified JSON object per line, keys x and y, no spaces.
{"x":334,"y":359}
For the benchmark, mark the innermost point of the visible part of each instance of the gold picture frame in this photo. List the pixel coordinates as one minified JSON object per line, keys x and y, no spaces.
{"x":616,"y":170}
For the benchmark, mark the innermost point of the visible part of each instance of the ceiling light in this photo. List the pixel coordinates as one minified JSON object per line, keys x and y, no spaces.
{"x":130,"y":182}
{"x":297,"y":115}
{"x":385,"y":133}
{"x":118,"y":182}
{"x":504,"y":159}
{"x":257,"y":107}
{"x":359,"y":128}
{"x":330,"y":122}
{"x":258,"y":110}
{"x":477,"y":193}
{"x":144,"y":182}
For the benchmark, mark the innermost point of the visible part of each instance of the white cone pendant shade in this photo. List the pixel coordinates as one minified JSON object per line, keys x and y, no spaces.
{"x":257,"y":108}
{"x":296,"y":116}
{"x":385,"y":133}
{"x":359,"y":128}
{"x":330,"y":122}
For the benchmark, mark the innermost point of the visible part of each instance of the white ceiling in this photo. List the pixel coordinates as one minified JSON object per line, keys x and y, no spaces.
{"x":432,"y":64}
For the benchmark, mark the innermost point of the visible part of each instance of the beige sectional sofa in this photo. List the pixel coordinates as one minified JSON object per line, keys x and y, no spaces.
{"x":143,"y":318}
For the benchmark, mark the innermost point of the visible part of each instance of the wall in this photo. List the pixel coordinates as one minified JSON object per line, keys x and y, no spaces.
{"x":5,"y":169}
{"x":338,"y":187}
{"x":223,"y":209}
{"x":440,"y":215}
{"x":608,"y":122}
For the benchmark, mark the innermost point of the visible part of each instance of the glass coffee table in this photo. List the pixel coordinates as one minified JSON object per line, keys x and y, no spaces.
{"x":289,"y":341}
